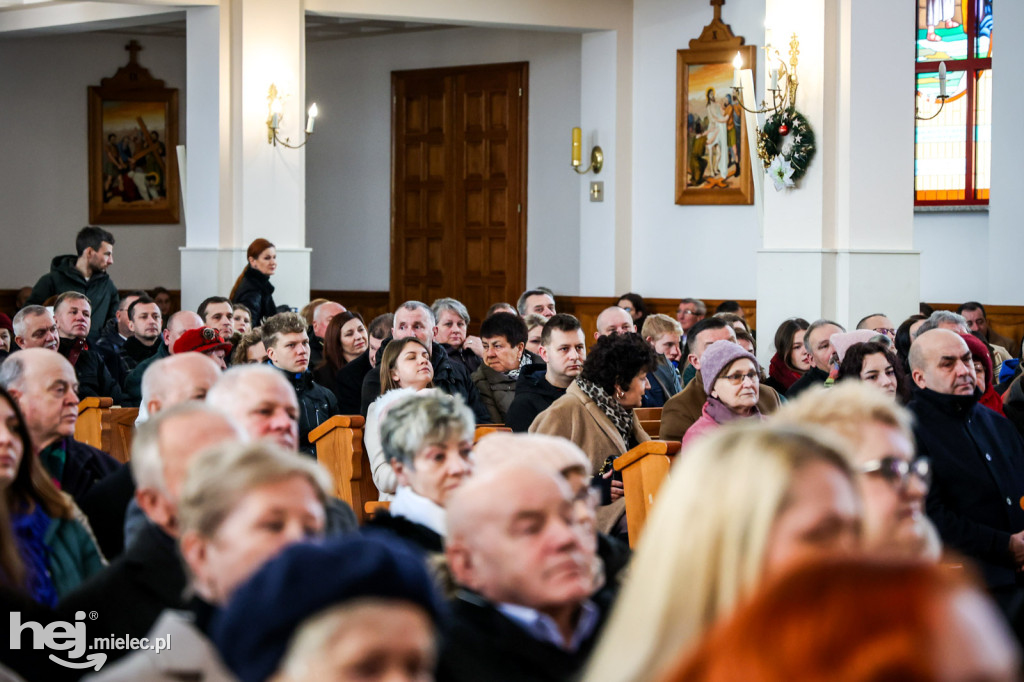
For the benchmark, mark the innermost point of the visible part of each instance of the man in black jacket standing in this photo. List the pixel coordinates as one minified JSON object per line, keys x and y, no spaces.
{"x":415,"y":318}
{"x":287,"y":344}
{"x":977,"y":461}
{"x":563,"y":348}
{"x":85,"y":273}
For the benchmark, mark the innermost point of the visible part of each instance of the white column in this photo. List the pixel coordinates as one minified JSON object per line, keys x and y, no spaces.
{"x":840,"y":245}
{"x":240,"y":187}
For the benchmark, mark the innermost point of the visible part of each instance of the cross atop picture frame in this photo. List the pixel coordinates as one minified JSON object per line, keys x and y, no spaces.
{"x":133,"y":122}
{"x":712,"y":151}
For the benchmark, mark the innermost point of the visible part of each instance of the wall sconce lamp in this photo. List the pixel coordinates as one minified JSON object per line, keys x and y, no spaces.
{"x":596,"y":155}
{"x":941,"y":98}
{"x":275,"y":105}
{"x":782,"y":81}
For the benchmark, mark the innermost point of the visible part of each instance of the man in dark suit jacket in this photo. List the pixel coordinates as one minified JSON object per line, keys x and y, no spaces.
{"x":129,"y":594}
{"x":524,"y":610}
{"x":977,"y":462}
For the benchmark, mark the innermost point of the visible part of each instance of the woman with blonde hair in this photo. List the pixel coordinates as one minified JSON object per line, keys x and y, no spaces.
{"x":742,"y":504}
{"x":253,"y":288}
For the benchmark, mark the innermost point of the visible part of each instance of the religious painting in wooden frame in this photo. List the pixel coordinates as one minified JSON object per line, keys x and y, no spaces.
{"x":712,"y":149}
{"x":133,"y":131}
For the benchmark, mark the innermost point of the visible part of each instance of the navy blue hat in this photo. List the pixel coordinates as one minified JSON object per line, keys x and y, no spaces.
{"x":253,"y":632}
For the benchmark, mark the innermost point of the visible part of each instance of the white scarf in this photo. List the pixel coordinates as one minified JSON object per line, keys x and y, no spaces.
{"x":415,"y":507}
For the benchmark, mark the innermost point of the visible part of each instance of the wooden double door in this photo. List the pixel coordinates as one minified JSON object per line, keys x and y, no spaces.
{"x":458,"y":185}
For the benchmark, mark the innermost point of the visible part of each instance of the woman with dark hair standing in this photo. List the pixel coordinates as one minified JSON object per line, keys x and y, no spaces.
{"x":57,"y":551}
{"x":253,"y":288}
{"x":596,"y":413}
{"x":791,"y":359}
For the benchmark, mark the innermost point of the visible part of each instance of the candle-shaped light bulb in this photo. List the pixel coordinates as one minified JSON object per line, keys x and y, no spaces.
{"x":311,"y":119}
{"x":767,"y":37}
{"x":737,"y":64}
{"x":275,"y":114}
{"x":775,"y":79}
{"x":577,"y":146}
{"x":942,"y":79}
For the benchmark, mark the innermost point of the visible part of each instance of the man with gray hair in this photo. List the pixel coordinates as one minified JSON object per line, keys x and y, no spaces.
{"x":943,"y":319}
{"x":414,"y":318}
{"x":689,"y":312}
{"x":72,"y":312}
{"x":322,"y":316}
{"x":818,"y":342}
{"x":262,"y":401}
{"x":34,"y":327}
{"x":45,"y":387}
{"x":539,"y":301}
{"x":149,"y":577}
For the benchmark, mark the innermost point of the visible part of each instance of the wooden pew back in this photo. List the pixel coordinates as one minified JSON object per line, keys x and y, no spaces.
{"x":93,"y":418}
{"x":644,"y":469}
{"x":121,"y":432}
{"x":339,"y":449}
{"x":650,"y":419}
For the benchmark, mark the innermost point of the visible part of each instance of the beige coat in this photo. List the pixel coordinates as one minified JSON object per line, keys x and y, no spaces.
{"x":577,"y":417}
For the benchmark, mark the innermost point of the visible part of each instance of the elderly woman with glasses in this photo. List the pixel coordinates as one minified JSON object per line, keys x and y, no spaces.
{"x":891,"y":479}
{"x":733,"y":385}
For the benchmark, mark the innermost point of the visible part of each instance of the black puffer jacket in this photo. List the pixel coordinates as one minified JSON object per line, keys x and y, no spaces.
{"x":64,"y":276}
{"x":533,"y":395}
{"x":256,"y":293}
{"x":316,"y":405}
{"x":94,"y":380}
{"x":450,"y":377}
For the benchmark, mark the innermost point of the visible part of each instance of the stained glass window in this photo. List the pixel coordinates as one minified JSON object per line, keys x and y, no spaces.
{"x":953,"y":150}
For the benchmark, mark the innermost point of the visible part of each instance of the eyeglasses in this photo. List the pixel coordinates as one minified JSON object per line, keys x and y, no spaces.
{"x":737,"y":379}
{"x":885,"y":330}
{"x":897,"y":471}
{"x":690,"y":312}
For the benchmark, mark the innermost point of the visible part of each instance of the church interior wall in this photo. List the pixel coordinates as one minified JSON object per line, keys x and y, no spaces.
{"x":44,"y":187}
{"x":349,"y":160}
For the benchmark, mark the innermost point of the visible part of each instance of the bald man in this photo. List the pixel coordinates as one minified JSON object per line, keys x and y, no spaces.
{"x":977,"y":460}
{"x":110,"y":505}
{"x":614,"y":320}
{"x":322,"y":316}
{"x":261,"y":401}
{"x":149,"y":577}
{"x":515,"y":548}
{"x":178,"y":324}
{"x":44,"y":385}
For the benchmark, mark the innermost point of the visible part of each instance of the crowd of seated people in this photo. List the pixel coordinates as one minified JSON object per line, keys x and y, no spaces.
{"x":852,"y":511}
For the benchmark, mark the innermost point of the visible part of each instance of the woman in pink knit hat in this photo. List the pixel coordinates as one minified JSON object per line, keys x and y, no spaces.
{"x":733,"y":386}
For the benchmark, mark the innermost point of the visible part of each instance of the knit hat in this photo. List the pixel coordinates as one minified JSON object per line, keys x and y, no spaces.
{"x":717,"y":357}
{"x":202,"y":340}
{"x":253,"y":632}
{"x":979,"y":351}
{"x":842,"y":341}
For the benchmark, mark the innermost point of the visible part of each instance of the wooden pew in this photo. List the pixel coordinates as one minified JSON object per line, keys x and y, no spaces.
{"x":650,"y":419}
{"x":339,"y":449}
{"x":93,"y":417}
{"x":644,"y":469}
{"x":121,"y":433}
{"x":487,"y":429}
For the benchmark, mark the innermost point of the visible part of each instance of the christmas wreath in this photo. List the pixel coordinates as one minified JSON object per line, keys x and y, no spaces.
{"x":786,"y":146}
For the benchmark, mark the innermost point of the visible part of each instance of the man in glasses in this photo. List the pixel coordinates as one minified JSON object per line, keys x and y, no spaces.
{"x":690,"y":312}
{"x":891,"y":479}
{"x":880,"y":324}
{"x":977,"y":464}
